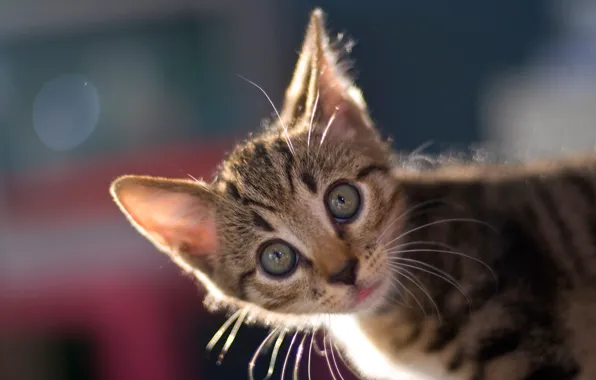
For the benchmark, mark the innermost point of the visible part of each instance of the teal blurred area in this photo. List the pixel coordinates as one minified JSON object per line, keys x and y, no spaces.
{"x":92,"y":89}
{"x":170,"y":71}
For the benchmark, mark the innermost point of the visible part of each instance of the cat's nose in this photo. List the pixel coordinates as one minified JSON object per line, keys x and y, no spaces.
{"x":346,"y":275}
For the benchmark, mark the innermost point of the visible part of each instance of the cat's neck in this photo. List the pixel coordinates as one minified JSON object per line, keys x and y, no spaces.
{"x":470,"y":231}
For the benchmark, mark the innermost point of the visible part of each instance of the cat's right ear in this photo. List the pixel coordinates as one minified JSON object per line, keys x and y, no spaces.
{"x":177,"y":216}
{"x":321,"y":90}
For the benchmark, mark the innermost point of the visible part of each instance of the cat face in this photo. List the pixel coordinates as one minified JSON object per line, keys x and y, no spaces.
{"x":296,"y":219}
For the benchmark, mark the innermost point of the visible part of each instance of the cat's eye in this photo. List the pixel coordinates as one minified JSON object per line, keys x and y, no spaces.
{"x":278,"y":258}
{"x":343,"y":201}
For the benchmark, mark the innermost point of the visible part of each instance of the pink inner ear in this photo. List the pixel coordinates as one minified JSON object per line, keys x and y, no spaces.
{"x":332,"y":90}
{"x":344,"y":111}
{"x":190,"y":233}
{"x":178,"y":220}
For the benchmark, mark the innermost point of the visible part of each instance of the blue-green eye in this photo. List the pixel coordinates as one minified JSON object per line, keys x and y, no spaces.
{"x":343,"y":201}
{"x":278,"y":258}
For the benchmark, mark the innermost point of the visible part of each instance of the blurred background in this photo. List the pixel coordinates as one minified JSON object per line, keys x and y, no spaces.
{"x":91,"y":89}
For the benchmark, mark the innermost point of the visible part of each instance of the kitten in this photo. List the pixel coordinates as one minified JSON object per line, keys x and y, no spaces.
{"x":463,"y":271}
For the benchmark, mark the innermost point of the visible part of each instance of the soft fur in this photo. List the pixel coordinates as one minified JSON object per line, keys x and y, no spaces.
{"x":474,"y":271}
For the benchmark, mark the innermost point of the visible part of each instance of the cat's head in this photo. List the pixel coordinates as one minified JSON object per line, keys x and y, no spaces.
{"x":292,"y":222}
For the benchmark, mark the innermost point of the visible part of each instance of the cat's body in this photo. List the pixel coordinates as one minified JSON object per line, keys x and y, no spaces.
{"x":463,"y":272}
{"x":537,"y":321}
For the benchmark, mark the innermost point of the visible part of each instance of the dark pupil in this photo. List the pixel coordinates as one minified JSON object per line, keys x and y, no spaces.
{"x":341,"y":203}
{"x":276,"y":256}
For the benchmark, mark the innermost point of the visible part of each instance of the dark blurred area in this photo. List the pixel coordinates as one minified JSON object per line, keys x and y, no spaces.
{"x":92,"y":89}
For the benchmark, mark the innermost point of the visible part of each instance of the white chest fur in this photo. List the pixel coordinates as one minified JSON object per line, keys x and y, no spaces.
{"x":365,"y":355}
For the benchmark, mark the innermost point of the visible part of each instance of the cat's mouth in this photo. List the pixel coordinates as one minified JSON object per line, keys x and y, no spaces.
{"x":364,"y":294}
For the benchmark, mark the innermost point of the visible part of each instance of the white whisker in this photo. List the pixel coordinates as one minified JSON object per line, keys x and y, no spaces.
{"x":428,"y":242}
{"x":312,"y":118}
{"x":274,"y":354}
{"x":453,"y":220}
{"x":410,"y":276}
{"x":404,"y":259}
{"x":407,"y":212}
{"x":327,"y":357}
{"x":312,"y":338}
{"x":231,"y":337}
{"x":422,"y":242}
{"x":253,"y":360}
{"x":318,"y":349}
{"x":285,"y":127}
{"x":421,"y":148}
{"x":217,"y":336}
{"x":401,"y":302}
{"x":396,"y":250}
{"x":299,"y":353}
{"x":334,"y":360}
{"x":283,"y":369}
{"x":412,"y":295}
{"x":346,"y":362}
{"x":442,"y":275}
{"x":331,"y":119}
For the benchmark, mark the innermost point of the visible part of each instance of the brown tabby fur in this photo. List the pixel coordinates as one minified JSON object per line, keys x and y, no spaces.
{"x":487,"y":272}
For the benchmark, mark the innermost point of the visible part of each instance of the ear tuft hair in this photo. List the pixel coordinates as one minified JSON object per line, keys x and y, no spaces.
{"x":321,"y":86}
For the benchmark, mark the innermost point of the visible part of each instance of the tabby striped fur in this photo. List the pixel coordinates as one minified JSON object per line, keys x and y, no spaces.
{"x":482,"y":272}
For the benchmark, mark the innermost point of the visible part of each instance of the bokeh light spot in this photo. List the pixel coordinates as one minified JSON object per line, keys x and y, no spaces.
{"x":66,"y":111}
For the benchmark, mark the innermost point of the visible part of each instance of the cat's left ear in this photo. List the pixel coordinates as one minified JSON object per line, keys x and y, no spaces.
{"x":177,"y":216}
{"x":321,"y":86}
